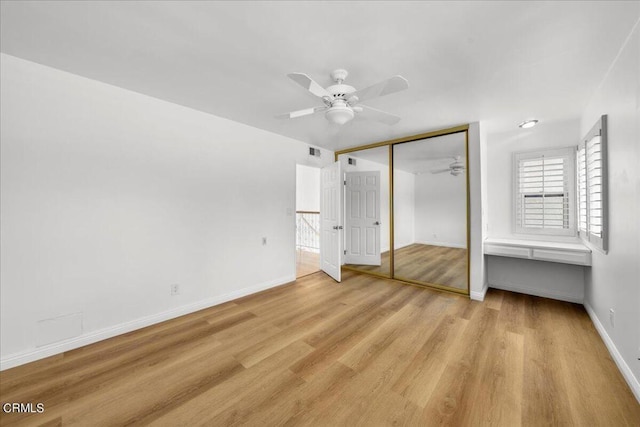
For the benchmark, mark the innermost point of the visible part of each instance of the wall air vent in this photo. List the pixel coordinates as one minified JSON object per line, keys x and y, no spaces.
{"x":352,"y":161}
{"x":314,"y":152}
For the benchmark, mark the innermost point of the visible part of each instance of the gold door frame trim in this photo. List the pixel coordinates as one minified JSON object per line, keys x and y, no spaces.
{"x":432,"y":134}
{"x":391,"y":143}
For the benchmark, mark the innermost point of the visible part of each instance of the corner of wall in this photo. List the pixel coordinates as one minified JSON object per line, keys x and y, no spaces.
{"x":477,"y":286}
{"x":479,"y":295}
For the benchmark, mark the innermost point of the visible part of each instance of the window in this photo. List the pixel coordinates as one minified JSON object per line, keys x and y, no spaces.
{"x":591,"y":162}
{"x":544,"y":192}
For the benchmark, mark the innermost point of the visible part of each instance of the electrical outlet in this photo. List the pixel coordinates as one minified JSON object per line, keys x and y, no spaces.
{"x":264,"y":241}
{"x":175,"y":289}
{"x":612,"y":317}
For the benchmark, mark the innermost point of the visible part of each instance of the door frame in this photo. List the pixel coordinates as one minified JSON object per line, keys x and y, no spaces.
{"x":295,"y":212}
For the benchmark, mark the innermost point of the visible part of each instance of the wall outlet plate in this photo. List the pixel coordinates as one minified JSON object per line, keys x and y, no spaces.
{"x":612,"y":317}
{"x":175,"y":289}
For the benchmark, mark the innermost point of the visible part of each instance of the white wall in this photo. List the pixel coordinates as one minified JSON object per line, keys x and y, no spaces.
{"x":613,"y":282}
{"x":441,"y":209}
{"x":560,"y":281}
{"x":307,"y":188}
{"x":108,"y":197}
{"x":404,"y":210}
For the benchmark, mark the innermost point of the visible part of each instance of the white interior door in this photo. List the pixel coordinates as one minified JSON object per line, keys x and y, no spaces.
{"x":331,"y":220}
{"x":362,"y":211}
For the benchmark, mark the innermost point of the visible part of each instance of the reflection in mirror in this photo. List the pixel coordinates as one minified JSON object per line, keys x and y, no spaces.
{"x":430,"y":194}
{"x":366,"y":210}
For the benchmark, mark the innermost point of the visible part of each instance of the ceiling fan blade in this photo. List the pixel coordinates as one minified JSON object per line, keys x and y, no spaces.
{"x":392,"y":85}
{"x":377,"y":115}
{"x":300,"y":113}
{"x":309,"y":84}
{"x":441,"y":171}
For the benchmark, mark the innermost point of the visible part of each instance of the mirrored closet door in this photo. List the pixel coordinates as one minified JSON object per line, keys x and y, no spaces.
{"x":430,"y":211}
{"x":406,"y":209}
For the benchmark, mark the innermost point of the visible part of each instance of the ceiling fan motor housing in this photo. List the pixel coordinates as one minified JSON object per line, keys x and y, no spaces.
{"x":341,"y":91}
{"x":340,"y":111}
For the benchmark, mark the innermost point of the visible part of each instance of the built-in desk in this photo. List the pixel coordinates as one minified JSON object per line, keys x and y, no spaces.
{"x":567,"y":253}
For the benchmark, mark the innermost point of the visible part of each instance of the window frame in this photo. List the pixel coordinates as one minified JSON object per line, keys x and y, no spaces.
{"x":593,"y":240}
{"x":570,"y":154}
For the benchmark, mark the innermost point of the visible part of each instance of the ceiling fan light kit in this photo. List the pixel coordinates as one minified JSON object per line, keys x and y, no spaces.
{"x":341,"y":101}
{"x":339,"y":113}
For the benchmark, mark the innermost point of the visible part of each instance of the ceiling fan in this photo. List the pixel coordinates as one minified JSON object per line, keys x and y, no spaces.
{"x":456,"y":168}
{"x":342,"y":102}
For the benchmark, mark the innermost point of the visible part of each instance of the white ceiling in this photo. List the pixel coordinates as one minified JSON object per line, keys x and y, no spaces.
{"x":494,"y":62}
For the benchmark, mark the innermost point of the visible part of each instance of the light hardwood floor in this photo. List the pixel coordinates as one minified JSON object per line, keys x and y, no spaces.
{"x":425,"y":263}
{"x":367,"y":352}
{"x":306,"y":262}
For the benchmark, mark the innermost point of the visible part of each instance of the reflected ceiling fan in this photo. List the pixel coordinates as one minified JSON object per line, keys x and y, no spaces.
{"x":456,"y":168}
{"x":342,"y":102}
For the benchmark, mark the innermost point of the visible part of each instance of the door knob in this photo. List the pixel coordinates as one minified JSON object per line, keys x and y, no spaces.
{"x":376,"y":223}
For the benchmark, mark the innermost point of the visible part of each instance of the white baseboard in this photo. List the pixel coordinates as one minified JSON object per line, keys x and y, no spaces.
{"x":479,"y":295}
{"x":633,"y":382}
{"x":537,"y":292}
{"x":21,"y":358}
{"x":444,"y":244}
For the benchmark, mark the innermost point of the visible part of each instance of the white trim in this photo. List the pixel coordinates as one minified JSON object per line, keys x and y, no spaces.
{"x":537,"y":292}
{"x":479,"y":295}
{"x":626,"y":371}
{"x":566,"y":253}
{"x":21,"y":358}
{"x":575,"y":245}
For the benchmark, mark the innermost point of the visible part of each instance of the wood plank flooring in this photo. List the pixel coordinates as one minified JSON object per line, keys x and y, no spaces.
{"x":367,"y":352}
{"x":425,"y":263}
{"x":306,"y":262}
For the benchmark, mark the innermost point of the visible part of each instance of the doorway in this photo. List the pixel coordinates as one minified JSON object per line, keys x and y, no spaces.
{"x":307,"y":220}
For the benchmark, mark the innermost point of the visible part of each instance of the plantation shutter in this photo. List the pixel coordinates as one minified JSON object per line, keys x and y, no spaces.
{"x":544,"y":192}
{"x":591,"y":175}
{"x":582,"y":188}
{"x":594,"y":177}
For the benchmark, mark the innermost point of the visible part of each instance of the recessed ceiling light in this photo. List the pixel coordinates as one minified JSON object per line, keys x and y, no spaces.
{"x":528,"y":124}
